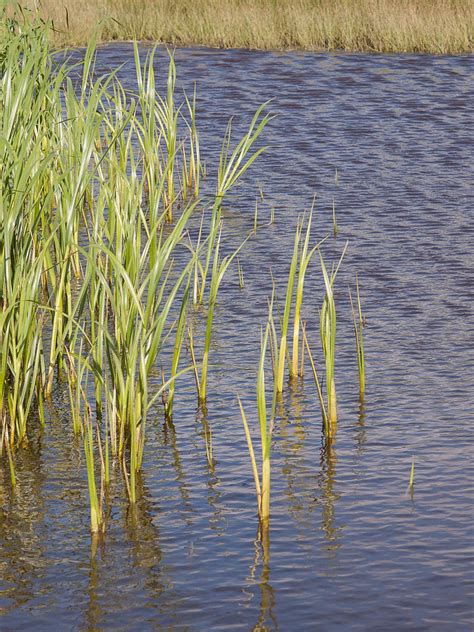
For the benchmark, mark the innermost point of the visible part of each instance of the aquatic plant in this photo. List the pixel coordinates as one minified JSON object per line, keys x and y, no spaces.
{"x":296,"y":276}
{"x":178,"y":345}
{"x":327,"y":426}
{"x":262,"y":481}
{"x":287,"y":309}
{"x":304,"y":260}
{"x":358,"y":322}
{"x":327,"y":332}
{"x":411,"y":483}
{"x":97,"y":519}
{"x":240,"y":274}
{"x":335,"y":227}
{"x":219,"y":268}
{"x":232,"y":166}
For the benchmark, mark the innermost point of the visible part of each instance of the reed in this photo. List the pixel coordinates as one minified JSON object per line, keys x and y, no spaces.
{"x":358,"y":322}
{"x":327,"y":331}
{"x":240,"y":274}
{"x":262,"y":481}
{"x":411,"y":483}
{"x":335,"y":227}
{"x":219,"y":268}
{"x":193,"y":179}
{"x":287,"y":309}
{"x":232,"y":166}
{"x":178,"y":345}
{"x":168,"y":121}
{"x":304,"y":260}
{"x":328,"y":428}
{"x":300,"y":260}
{"x":97,"y":518}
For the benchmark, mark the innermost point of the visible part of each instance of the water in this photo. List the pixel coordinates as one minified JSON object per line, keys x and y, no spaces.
{"x":350,"y":549}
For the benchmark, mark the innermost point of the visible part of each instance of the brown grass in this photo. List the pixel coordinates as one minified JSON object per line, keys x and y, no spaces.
{"x":429,"y":26}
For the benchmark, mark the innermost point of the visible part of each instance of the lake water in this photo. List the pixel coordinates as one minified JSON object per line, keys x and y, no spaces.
{"x":349,"y":547}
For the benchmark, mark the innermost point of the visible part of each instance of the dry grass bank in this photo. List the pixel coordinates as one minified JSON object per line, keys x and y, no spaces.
{"x":435,"y":26}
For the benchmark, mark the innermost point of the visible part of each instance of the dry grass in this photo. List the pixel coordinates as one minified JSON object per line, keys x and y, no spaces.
{"x":429,"y":26}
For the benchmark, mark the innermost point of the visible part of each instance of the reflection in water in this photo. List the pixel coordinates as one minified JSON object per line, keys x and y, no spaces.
{"x":144,"y":562}
{"x":213,"y":483}
{"x":94,"y":612}
{"x":267,"y":595}
{"x":22,"y":536}
{"x":142,"y":531}
{"x":361,"y":431}
{"x":206,"y":434}
{"x":169,"y":438}
{"x":329,"y":497}
{"x":300,"y":480}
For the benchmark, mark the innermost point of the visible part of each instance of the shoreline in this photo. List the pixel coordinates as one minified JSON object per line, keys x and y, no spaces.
{"x":318,"y":51}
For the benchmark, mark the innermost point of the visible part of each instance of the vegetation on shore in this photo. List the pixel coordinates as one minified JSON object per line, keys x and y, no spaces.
{"x":427,"y":26}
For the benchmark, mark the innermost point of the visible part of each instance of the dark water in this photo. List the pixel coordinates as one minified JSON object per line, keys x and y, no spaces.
{"x":350,"y":549}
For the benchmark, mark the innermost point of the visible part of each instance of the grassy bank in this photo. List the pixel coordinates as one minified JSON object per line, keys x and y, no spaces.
{"x":429,"y":26}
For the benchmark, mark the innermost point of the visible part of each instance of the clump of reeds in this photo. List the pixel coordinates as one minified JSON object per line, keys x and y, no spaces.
{"x":98,"y":268}
{"x":91,"y":278}
{"x":327,"y":332}
{"x":300,"y":260}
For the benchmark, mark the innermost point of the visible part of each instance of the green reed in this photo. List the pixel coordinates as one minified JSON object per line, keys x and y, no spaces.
{"x":98,"y":200}
{"x":305,"y":256}
{"x":287,"y":309}
{"x":177,"y":348}
{"x":219,"y":268}
{"x":232,"y":166}
{"x":326,"y":424}
{"x":327,"y":331}
{"x":262,"y":481}
{"x":358,"y":322}
{"x":411,"y":483}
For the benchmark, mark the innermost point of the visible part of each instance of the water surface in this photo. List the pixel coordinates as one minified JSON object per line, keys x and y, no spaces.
{"x":350,"y":549}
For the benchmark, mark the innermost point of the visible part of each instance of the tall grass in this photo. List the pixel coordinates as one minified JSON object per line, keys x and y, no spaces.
{"x":430,"y":26}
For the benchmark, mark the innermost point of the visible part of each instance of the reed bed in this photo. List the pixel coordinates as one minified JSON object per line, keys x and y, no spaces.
{"x":102,"y":275}
{"x":96,"y":267}
{"x":428,"y":26}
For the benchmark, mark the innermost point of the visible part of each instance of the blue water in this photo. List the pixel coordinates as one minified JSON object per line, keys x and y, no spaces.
{"x":350,"y":548}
